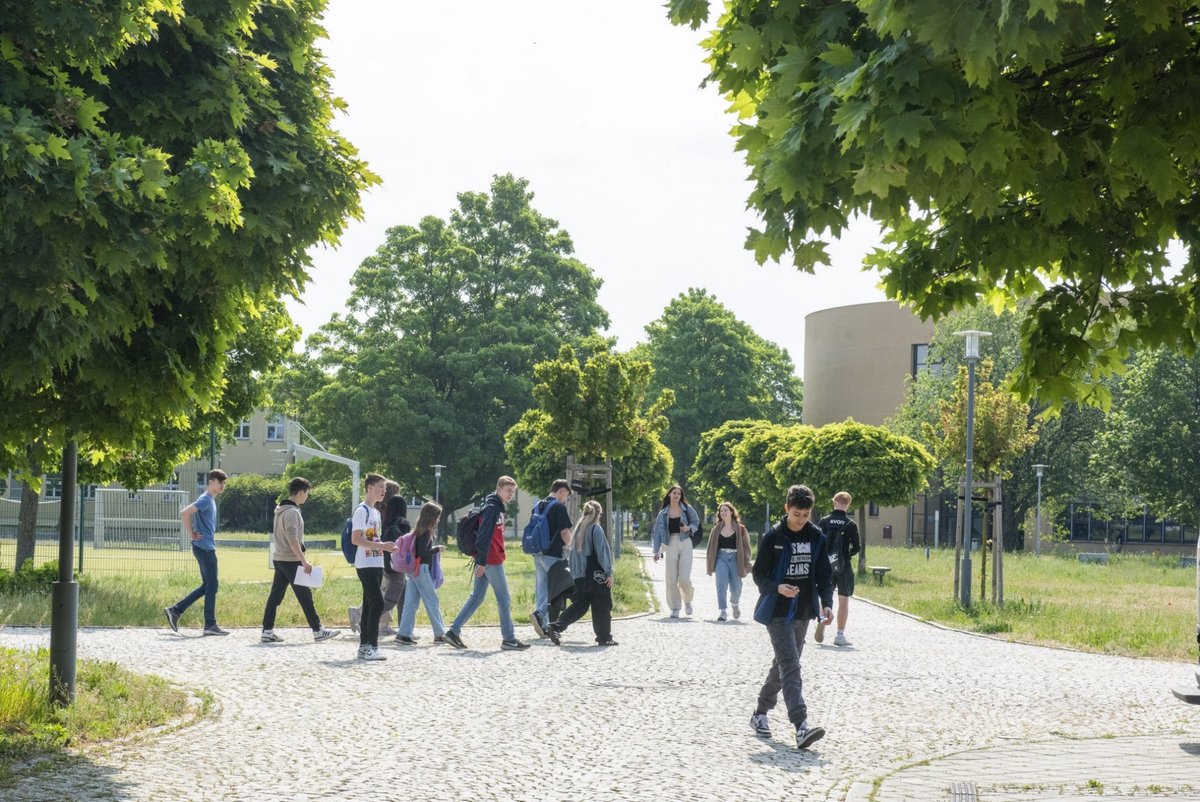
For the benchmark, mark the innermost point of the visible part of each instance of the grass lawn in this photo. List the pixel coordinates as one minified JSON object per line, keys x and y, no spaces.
{"x":110,"y":703}
{"x":1136,"y":605}
{"x":137,"y":599}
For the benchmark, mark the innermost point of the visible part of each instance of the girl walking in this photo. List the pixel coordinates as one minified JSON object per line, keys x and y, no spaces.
{"x":729,"y":558}
{"x":592,"y":567}
{"x":422,"y":587}
{"x":672,"y":538}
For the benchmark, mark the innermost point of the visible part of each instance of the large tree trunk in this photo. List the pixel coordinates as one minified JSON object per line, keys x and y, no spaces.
{"x":26,"y":525}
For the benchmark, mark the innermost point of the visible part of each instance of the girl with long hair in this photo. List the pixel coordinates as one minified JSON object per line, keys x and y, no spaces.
{"x":672,"y":538}
{"x":592,"y":566}
{"x":426,"y":580}
{"x":728,"y":557}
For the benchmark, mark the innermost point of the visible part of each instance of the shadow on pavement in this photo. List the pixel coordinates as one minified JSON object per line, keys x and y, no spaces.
{"x":64,"y":777}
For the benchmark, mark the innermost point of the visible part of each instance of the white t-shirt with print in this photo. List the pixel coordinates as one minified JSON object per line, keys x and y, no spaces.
{"x":366,"y":518}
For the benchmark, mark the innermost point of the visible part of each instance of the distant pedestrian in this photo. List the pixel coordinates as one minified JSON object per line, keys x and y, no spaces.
{"x":728,"y":556}
{"x":489,"y":569}
{"x":554,"y":506}
{"x":795,"y":585}
{"x":592,"y":566}
{"x":287,"y":539}
{"x":422,"y":588}
{"x":672,"y":537}
{"x":200,"y":521}
{"x":841,"y":537}
{"x":368,"y":563}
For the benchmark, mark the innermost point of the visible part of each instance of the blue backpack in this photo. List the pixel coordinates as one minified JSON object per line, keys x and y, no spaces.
{"x":349,"y":550}
{"x":537,"y":535}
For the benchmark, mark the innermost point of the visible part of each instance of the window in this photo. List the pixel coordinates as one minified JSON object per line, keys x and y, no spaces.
{"x":201,"y":480}
{"x":173,"y":482}
{"x":87,"y":491}
{"x":242,"y":432}
{"x":275,"y":427}
{"x":52,"y":488}
{"x":872,"y":510}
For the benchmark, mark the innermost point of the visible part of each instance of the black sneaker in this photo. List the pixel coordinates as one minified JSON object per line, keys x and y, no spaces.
{"x":609,"y":642}
{"x":215,"y":630}
{"x":452,"y":638}
{"x":806,"y":736}
{"x":760,"y":725}
{"x":513,"y":645}
{"x":535,"y":618}
{"x":555,"y":636}
{"x":172,"y":619}
{"x":403,"y":640}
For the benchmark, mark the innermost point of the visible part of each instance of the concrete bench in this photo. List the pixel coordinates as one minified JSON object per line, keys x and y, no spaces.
{"x":1093,"y":557}
{"x":880,"y":571}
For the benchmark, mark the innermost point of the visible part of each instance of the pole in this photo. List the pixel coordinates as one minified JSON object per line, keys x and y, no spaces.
{"x":1037,"y":535}
{"x":964,"y":586}
{"x":64,"y":594}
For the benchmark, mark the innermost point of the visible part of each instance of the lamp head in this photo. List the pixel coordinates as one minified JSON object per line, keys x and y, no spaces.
{"x":972,"y":344}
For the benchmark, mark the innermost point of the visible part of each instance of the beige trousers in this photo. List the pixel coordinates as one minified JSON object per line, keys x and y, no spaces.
{"x":678,"y":554}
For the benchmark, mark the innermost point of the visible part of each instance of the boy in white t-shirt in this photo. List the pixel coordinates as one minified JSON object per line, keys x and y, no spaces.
{"x":368,"y":562}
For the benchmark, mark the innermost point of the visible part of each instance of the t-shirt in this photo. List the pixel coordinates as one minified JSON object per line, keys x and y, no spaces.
{"x":797,"y":551}
{"x":558,"y":519}
{"x":366,"y":518}
{"x":204,"y":521}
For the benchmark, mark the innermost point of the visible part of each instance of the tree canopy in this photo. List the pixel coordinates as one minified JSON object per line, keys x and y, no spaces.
{"x":164,"y":169}
{"x":1043,"y":149}
{"x":433,"y":361}
{"x":720,"y":370}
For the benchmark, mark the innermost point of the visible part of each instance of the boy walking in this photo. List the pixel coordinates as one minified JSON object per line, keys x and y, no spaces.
{"x":554,"y":506}
{"x":200,"y":521}
{"x":795,"y":583}
{"x":841,"y":538}
{"x":287,"y":537}
{"x":368,"y":563}
{"x":489,"y":569}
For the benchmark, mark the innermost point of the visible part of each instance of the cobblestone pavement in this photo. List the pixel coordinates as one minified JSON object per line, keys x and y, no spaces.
{"x":909,"y":709}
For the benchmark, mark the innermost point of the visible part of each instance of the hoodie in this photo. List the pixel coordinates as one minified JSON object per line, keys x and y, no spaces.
{"x":287,"y":536}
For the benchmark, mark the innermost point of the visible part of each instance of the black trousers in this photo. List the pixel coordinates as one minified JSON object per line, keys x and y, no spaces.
{"x":372,"y":605}
{"x":285,"y":575}
{"x":589,"y":594}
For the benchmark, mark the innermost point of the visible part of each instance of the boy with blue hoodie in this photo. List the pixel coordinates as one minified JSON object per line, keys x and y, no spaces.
{"x":795,"y":586}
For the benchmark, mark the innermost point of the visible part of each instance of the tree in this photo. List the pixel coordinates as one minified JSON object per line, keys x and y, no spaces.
{"x":710,"y":478}
{"x":1146,"y":450}
{"x":164,"y":172}
{"x":1033,"y":148}
{"x":754,"y":456}
{"x":433,"y":362}
{"x":719,"y":369}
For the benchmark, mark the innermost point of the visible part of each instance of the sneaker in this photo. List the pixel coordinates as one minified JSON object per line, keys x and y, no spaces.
{"x":554,"y":634}
{"x":722,"y":617}
{"x":513,"y":645}
{"x":439,"y":638}
{"x":674,"y":613}
{"x":687,"y":608}
{"x":609,"y":642}
{"x":840,"y":640}
{"x":760,"y":725}
{"x":535,"y":618}
{"x":737,"y":611}
{"x":402,"y":640}
{"x":215,"y":630}
{"x":172,"y":619}
{"x":325,"y":634}
{"x":385,"y":632}
{"x":269,"y":636}
{"x":452,"y":638}
{"x":819,"y":634}
{"x":370,"y":653}
{"x":355,"y":614}
{"x":806,"y":736}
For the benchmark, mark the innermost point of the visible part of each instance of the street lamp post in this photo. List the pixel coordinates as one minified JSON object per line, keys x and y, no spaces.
{"x":437,"y":483}
{"x":972,"y":356}
{"x":1037,"y":535}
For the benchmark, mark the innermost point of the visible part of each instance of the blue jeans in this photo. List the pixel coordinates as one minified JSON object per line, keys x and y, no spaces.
{"x":207,"y":558}
{"x":492,"y":575}
{"x":541,"y":585}
{"x":787,"y":640}
{"x":728,"y":580}
{"x":427,"y":593}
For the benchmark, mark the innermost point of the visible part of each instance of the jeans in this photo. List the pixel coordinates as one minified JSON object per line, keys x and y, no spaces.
{"x":541,"y":584}
{"x":788,"y":641}
{"x":588,"y":593}
{"x":492,"y":575}
{"x":285,"y":574}
{"x":678,"y":554}
{"x":372,"y":605}
{"x":207,"y":558}
{"x":425,"y":592}
{"x":728,"y":580}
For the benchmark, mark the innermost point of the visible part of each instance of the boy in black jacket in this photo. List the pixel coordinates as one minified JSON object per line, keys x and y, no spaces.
{"x":841,"y":539}
{"x":795,"y":586}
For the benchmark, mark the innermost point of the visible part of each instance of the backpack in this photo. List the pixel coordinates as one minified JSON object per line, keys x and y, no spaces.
{"x":404,"y":558}
{"x":468,"y":528}
{"x":349,"y":550}
{"x":537,"y":536}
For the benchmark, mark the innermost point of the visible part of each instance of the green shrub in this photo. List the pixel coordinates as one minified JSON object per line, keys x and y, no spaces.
{"x":327,"y":507}
{"x":249,"y":500}
{"x":29,"y":578}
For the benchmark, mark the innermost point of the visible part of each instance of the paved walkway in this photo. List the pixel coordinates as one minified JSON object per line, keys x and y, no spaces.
{"x":909,"y":708}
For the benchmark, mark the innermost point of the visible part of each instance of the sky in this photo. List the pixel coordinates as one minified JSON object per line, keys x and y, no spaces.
{"x":599,"y":104}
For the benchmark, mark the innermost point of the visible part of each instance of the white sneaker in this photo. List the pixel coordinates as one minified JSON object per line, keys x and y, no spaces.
{"x":269,"y":636}
{"x":840,"y":640}
{"x":737,"y":611}
{"x":355,"y":615}
{"x":722,"y":616}
{"x":325,"y":634}
{"x":806,"y":736}
{"x":687,"y":608}
{"x":674,"y":613}
{"x":760,"y":725}
{"x":370,"y":653}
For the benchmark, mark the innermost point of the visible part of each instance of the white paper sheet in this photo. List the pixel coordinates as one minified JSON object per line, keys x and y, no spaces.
{"x":313,"y":580}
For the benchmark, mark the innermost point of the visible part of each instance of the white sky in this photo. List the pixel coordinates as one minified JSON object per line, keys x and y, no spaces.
{"x":598,"y":104}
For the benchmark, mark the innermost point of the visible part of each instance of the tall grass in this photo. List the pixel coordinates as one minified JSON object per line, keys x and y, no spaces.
{"x":138,"y":599}
{"x":1137,"y":604}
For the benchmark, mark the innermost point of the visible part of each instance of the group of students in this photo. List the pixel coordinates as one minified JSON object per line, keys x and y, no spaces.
{"x":796,"y":569}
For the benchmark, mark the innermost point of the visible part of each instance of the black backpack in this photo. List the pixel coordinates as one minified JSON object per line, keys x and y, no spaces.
{"x":468,"y":532}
